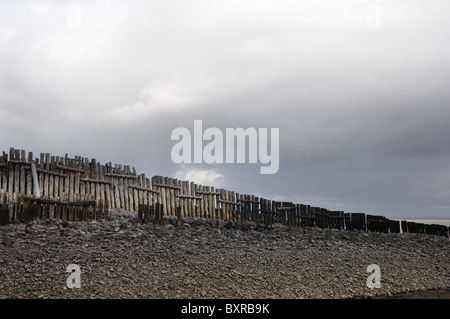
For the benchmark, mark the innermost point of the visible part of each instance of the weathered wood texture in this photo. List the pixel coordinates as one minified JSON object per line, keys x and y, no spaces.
{"x":63,"y":187}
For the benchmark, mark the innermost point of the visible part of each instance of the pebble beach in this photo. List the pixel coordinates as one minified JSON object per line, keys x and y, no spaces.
{"x":121,"y":258}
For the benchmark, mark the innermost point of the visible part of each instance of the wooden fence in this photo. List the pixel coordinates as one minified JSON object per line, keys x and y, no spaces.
{"x":78,"y":188}
{"x":27,"y":208}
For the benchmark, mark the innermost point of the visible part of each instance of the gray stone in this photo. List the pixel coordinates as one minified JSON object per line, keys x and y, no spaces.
{"x":150,"y":261}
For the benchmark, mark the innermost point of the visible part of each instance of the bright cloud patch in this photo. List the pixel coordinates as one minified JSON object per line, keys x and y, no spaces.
{"x":203,"y":177}
{"x":156,"y":99}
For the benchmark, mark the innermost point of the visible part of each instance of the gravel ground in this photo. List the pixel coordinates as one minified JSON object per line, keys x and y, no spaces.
{"x":427,"y":294}
{"x":209,"y":259}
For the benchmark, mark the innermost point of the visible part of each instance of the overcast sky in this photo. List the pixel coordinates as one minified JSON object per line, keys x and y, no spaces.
{"x":363,"y":111}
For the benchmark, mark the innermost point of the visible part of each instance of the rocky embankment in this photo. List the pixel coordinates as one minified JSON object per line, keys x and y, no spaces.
{"x":205,"y":259}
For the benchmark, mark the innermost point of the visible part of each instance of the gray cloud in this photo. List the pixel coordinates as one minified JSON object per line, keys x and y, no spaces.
{"x":362,"y":112}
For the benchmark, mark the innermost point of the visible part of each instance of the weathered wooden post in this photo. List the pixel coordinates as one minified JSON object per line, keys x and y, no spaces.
{"x":178,"y":213}
{"x":37,"y":191}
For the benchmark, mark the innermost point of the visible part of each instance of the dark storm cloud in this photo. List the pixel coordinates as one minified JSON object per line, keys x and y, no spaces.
{"x":362,"y":112}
